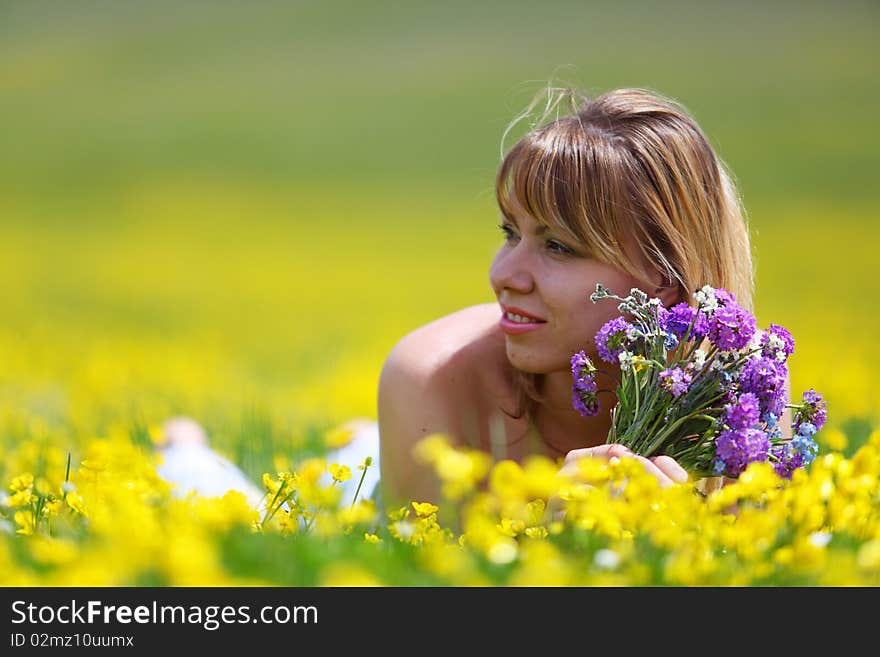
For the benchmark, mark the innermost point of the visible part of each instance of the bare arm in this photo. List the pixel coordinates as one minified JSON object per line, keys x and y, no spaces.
{"x":411,"y":406}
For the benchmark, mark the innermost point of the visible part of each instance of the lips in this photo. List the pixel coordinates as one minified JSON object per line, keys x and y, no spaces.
{"x":513,"y":327}
{"x":521,"y":312}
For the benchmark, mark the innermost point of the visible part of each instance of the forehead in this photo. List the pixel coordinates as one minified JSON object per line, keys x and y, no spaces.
{"x":620,"y":246}
{"x":513,"y":210}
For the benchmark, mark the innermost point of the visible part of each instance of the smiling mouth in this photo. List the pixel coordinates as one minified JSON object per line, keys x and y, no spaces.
{"x":522,"y":319}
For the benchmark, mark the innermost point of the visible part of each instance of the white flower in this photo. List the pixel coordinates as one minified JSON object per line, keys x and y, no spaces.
{"x":68,"y":487}
{"x":820,"y":539}
{"x":755,"y":341}
{"x":503,"y":552}
{"x":626,"y":360}
{"x":776,"y":345}
{"x":606,"y":559}
{"x":706,"y":300}
{"x":699,"y":358}
{"x":405,"y":529}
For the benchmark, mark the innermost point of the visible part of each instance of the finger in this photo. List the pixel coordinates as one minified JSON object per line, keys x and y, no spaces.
{"x":600,"y":451}
{"x":619,"y":451}
{"x":610,"y":453}
{"x":662,"y":477}
{"x":671,"y":468}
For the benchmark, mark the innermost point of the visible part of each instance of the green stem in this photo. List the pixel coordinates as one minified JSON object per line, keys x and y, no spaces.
{"x":636,"y":384}
{"x":266,"y":515}
{"x":66,"y":477}
{"x":358,"y":490}
{"x":664,"y":434}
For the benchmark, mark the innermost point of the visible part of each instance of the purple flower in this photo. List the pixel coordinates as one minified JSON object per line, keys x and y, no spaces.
{"x":731,"y":326}
{"x":581,"y":366}
{"x":786,"y":459}
{"x":612,"y":339}
{"x":812,"y":411}
{"x":675,"y":380}
{"x":583,"y":392}
{"x":766,"y":379}
{"x":584,"y":400}
{"x":736,"y":449}
{"x":678,"y":318}
{"x":744,"y":412}
{"x":777,"y":343}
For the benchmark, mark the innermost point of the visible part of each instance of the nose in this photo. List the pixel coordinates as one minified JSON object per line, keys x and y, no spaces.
{"x":511,"y":271}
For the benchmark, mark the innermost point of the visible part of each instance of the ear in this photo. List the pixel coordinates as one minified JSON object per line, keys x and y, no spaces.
{"x":668,"y":291}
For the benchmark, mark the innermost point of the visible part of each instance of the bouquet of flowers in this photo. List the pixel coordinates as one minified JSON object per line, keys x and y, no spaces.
{"x":701,"y":385}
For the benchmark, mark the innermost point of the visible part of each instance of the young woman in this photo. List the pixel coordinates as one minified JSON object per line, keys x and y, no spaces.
{"x":623,"y":190}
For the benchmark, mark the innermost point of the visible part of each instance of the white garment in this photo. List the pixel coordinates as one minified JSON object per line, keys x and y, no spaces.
{"x":195,"y":467}
{"x":190,"y":465}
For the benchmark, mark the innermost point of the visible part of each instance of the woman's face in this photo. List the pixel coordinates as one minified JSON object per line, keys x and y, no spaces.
{"x":539,"y":272}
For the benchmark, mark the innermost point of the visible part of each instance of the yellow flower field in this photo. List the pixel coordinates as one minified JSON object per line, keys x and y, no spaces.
{"x":235,"y":217}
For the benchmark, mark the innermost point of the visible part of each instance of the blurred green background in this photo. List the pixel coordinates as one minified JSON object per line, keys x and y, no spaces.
{"x":233,"y":210}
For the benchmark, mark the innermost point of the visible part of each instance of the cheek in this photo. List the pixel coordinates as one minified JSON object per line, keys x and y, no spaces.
{"x":581,"y":319}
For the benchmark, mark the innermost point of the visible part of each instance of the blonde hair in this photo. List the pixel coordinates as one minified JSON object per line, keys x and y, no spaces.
{"x":630,"y":163}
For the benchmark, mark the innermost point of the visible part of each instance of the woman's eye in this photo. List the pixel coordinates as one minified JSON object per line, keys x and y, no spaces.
{"x":558,"y":247}
{"x":508,"y":232}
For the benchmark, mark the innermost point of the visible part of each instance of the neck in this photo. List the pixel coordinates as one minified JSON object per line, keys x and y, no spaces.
{"x":561,"y":426}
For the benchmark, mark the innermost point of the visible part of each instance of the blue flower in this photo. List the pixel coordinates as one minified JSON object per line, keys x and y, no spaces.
{"x":806,"y":429}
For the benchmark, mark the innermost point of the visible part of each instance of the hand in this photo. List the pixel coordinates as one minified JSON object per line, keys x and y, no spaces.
{"x":665,"y":468}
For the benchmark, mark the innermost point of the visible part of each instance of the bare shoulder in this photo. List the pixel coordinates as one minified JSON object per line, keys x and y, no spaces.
{"x":443,"y":362}
{"x":432,"y":378}
{"x":436,"y":348}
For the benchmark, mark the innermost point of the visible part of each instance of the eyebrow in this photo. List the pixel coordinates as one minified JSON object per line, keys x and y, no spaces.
{"x":540,"y":230}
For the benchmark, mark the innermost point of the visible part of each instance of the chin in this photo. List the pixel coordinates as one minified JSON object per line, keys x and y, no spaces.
{"x":526,"y":360}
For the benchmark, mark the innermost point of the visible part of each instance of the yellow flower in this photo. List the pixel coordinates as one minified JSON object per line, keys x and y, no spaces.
{"x":346,"y":574}
{"x":507,"y":480}
{"x":339,"y":437}
{"x":541,"y":477}
{"x":868,"y":557}
{"x":398,"y":514}
{"x":20,"y":499}
{"x":23,"y":482}
{"x":340,"y":473}
{"x":536,"y":532}
{"x":424,"y":509}
{"x":54,"y":552}
{"x":362,"y":513}
{"x":75,"y":502}
{"x":271,"y":484}
{"x":510,"y":527}
{"x":26,"y":522}
{"x":53,"y":507}
{"x":834,"y":438}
